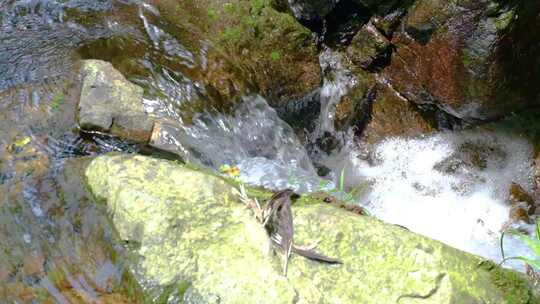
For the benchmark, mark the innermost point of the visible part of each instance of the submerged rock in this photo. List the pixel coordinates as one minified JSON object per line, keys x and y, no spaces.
{"x":474,"y":59}
{"x":194,"y":242}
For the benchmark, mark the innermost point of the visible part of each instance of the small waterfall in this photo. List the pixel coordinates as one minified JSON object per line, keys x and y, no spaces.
{"x":254,"y":139}
{"x":452,"y":186}
{"x":336,"y":84}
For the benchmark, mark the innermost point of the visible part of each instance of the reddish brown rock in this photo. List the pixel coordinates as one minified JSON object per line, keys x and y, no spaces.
{"x":522,"y":204}
{"x":393,"y":116}
{"x":472,"y":58}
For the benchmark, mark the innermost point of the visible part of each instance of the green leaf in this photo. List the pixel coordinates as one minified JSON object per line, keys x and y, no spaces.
{"x":538,"y":229}
{"x":533,"y":244}
{"x":212,"y":14}
{"x":533,"y":263}
{"x":22,"y":142}
{"x":342,"y":180}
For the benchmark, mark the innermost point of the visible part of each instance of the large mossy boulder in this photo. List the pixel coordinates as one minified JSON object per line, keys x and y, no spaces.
{"x":278,"y":53}
{"x":192,"y":241}
{"x":476,"y":60}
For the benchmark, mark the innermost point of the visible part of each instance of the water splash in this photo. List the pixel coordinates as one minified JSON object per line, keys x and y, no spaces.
{"x":451,"y":187}
{"x":253,"y":137}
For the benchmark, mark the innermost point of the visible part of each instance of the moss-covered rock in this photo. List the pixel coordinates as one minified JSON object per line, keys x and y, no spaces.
{"x":368,"y":46}
{"x":193,"y":241}
{"x":354,"y":108}
{"x":278,"y":53}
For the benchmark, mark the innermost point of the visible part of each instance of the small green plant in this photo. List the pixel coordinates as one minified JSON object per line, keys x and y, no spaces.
{"x":212,"y":14}
{"x":345,"y":196}
{"x":232,"y":34}
{"x":532,"y":242}
{"x":275,"y":55}
{"x":257,"y":6}
{"x":342,"y":180}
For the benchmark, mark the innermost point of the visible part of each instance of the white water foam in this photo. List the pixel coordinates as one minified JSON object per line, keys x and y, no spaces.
{"x":451,"y":187}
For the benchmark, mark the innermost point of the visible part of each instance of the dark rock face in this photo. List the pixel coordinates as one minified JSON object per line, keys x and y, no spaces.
{"x":334,"y":21}
{"x":379,"y":6}
{"x":471,"y":59}
{"x":465,"y":61}
{"x":309,"y":10}
{"x":369,"y":48}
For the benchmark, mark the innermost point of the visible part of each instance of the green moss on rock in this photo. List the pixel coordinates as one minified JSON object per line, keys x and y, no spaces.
{"x":195,"y":234}
{"x":251,"y":33}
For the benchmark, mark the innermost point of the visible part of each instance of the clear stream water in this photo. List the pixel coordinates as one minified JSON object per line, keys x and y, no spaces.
{"x":426,"y":184}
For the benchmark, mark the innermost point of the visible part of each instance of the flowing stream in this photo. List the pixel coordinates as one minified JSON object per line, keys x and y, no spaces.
{"x":451,"y":186}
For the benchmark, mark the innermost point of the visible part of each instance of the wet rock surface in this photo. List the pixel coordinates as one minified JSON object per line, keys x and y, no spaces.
{"x":275,"y":52}
{"x":197,"y":243}
{"x":466,"y":57}
{"x":523,"y":204}
{"x":392,"y":115}
{"x":369,"y":48}
{"x":53,"y":247}
{"x":310,"y":10}
{"x":467,"y":62}
{"x":110,"y":103}
{"x":195,"y":61}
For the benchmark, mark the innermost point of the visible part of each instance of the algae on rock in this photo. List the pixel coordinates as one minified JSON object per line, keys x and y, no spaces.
{"x":278,"y":52}
{"x":193,"y":234}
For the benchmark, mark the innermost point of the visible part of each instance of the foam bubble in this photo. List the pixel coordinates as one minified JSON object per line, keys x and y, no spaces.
{"x":451,"y":187}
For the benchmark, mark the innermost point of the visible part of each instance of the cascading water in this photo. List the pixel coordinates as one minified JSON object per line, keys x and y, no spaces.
{"x":451,"y":187}
{"x":337,"y":82}
{"x":254,"y":139}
